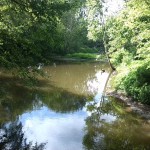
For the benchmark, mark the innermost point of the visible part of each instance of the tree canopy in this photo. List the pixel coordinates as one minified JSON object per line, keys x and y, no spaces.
{"x":29,"y":30}
{"x":33,"y":30}
{"x":126,"y":39}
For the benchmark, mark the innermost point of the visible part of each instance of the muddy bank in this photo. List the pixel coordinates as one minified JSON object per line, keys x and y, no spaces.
{"x":141,"y":109}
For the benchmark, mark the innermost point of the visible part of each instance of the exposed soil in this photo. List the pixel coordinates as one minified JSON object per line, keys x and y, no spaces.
{"x":141,"y":109}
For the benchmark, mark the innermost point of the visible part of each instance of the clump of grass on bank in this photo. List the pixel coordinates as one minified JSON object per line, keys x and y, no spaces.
{"x":82,"y":55}
{"x":85,"y":56}
{"x":88,"y":50}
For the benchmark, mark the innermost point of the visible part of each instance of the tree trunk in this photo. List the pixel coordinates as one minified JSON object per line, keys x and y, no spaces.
{"x":105,"y":48}
{"x":104,"y":40}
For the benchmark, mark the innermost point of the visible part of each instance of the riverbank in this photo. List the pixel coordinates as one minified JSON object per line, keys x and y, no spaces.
{"x":81,"y":57}
{"x":142,"y":109}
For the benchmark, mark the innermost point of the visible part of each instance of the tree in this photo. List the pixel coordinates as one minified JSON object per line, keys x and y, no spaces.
{"x":128,"y":42}
{"x":28,"y":30}
{"x":97,"y":27}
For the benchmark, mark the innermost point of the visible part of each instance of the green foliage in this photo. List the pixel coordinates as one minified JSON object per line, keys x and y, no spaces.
{"x":137,"y":83}
{"x":129,"y":48}
{"x":29,"y":31}
{"x":88,"y":50}
{"x":32,"y":31}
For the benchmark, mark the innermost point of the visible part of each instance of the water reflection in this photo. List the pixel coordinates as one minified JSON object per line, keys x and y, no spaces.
{"x":60,"y":100}
{"x":53,"y":112}
{"x":68,"y":111}
{"x":97,"y":83}
{"x":110,"y":127}
{"x":12,"y":138}
{"x":16,"y":99}
{"x":59,"y":131}
{"x":79,"y":79}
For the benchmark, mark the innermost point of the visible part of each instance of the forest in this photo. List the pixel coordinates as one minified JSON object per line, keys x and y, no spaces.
{"x":35,"y":31}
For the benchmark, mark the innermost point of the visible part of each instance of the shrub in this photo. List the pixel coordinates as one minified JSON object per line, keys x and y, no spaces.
{"x":137,"y":84}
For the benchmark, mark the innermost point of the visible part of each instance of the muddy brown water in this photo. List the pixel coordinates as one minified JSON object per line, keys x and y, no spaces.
{"x":68,"y":112}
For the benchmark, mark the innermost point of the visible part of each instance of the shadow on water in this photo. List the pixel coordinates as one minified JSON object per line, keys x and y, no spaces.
{"x":16,"y":99}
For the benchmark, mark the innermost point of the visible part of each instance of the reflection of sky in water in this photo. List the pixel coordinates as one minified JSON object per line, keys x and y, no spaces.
{"x":96,"y":86}
{"x":97,"y":83}
{"x":60,"y":131}
{"x":108,"y":118}
{"x":63,"y":131}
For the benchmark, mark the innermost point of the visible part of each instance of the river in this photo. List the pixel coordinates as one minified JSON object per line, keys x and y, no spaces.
{"x":67,"y":111}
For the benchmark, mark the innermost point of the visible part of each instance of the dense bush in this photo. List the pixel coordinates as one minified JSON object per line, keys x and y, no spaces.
{"x":137,"y":84}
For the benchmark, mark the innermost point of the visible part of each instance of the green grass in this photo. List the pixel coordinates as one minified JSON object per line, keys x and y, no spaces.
{"x":84,"y":56}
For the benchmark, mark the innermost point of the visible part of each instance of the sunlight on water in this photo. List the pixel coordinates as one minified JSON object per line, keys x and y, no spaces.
{"x":97,"y":83}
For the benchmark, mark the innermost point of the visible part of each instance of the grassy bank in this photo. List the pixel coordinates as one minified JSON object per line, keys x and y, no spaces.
{"x":86,"y":56}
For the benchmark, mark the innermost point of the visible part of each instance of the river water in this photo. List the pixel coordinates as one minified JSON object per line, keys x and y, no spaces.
{"x":67,"y":111}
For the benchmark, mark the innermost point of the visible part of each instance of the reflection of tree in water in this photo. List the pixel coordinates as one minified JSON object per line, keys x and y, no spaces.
{"x":62,"y":101}
{"x":15,"y":99}
{"x":12,"y":138}
{"x":125,"y":132}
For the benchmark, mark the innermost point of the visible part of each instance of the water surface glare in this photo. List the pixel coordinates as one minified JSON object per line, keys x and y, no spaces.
{"x":68,"y":112}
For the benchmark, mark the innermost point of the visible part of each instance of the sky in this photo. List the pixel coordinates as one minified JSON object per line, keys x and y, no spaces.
{"x":114,"y":6}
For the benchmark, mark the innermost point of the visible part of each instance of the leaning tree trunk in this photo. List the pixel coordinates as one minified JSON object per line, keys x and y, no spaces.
{"x":104,"y":38}
{"x":105,"y":47}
